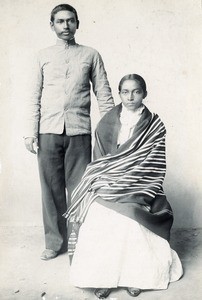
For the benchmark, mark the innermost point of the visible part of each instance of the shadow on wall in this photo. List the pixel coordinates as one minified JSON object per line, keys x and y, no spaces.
{"x":183,"y":196}
{"x":187,"y":243}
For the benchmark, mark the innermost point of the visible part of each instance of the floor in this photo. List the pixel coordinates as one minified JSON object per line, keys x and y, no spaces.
{"x":24,"y":276}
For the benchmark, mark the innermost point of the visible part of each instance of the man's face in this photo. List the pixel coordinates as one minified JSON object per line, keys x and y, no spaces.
{"x":64,"y":24}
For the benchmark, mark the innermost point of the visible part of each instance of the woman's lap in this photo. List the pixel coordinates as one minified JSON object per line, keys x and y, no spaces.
{"x":114,"y":250}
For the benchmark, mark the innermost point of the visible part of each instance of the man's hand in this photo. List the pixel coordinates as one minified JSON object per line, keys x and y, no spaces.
{"x":31,"y":144}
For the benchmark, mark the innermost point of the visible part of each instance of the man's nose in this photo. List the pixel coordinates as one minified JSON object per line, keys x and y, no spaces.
{"x":66,"y":25}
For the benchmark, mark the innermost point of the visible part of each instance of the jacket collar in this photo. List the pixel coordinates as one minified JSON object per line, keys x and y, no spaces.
{"x":66,"y":43}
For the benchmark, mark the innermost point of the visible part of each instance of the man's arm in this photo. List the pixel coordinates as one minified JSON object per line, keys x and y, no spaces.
{"x":101,"y":86}
{"x":33,"y":109}
{"x":30,"y":143}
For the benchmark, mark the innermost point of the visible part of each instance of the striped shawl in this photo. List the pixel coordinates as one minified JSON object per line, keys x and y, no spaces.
{"x":128,"y":179}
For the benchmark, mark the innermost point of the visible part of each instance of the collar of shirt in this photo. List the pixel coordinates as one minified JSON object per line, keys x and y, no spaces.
{"x":66,"y":43}
{"x":128,"y":117}
{"x":128,"y":121}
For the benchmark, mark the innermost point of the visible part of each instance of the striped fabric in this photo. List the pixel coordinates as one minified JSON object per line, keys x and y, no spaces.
{"x":134,"y":174}
{"x":72,"y":241}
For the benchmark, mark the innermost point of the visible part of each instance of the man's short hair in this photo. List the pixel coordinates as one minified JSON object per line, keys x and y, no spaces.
{"x":63,"y":7}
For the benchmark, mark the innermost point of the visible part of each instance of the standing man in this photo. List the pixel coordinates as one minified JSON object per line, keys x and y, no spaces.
{"x":59,"y":120}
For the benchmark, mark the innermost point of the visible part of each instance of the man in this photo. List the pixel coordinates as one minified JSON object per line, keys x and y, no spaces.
{"x":59,"y":120}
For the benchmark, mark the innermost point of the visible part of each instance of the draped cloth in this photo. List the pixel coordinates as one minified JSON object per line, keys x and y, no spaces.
{"x":129,"y":179}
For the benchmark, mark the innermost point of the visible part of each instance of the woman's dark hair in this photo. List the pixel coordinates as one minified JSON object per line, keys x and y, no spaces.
{"x":135,"y":77}
{"x":63,"y":7}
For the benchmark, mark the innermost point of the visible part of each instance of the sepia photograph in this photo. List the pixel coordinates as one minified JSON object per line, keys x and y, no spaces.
{"x":100,"y":150}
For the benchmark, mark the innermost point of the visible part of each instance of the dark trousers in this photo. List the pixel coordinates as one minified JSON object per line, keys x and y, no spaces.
{"x":62,"y":161}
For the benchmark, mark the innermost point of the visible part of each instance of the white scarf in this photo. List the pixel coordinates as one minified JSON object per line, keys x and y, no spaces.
{"x":128,"y":121}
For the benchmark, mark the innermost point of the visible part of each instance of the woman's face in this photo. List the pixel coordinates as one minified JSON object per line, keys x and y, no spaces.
{"x":131,"y":94}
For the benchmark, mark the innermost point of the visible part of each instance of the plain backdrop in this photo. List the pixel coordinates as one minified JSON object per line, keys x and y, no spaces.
{"x":159,"y":39}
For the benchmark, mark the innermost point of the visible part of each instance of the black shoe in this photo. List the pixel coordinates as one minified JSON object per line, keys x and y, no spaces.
{"x":134,"y":292}
{"x":102,"y":293}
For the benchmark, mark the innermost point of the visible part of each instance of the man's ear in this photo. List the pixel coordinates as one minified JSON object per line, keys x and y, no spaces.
{"x":77,"y":24}
{"x":51,"y":26}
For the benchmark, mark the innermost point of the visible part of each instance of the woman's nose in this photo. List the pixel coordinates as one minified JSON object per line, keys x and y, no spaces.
{"x":130,"y":97}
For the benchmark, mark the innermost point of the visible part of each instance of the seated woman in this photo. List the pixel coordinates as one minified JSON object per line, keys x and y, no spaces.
{"x":120,"y":203}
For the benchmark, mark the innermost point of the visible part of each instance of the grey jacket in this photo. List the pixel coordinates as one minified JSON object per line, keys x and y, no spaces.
{"x":60,"y":93}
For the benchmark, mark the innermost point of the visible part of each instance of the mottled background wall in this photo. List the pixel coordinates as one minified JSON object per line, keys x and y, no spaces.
{"x":158,"y":39}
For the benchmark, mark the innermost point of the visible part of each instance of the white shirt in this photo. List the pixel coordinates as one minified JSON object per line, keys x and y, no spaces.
{"x":128,"y":121}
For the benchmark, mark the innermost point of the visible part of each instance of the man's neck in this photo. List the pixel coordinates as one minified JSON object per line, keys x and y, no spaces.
{"x":66,"y":42}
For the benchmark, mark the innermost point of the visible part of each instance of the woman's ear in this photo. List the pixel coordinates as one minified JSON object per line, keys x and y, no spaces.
{"x":145,"y":94}
{"x":77,"y":24}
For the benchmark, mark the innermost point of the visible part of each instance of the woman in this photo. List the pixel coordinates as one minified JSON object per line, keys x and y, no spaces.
{"x":120,"y":202}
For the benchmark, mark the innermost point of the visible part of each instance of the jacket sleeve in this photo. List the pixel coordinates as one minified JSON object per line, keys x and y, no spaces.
{"x":34,"y":100}
{"x":100,"y":85}
{"x":98,"y":150}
